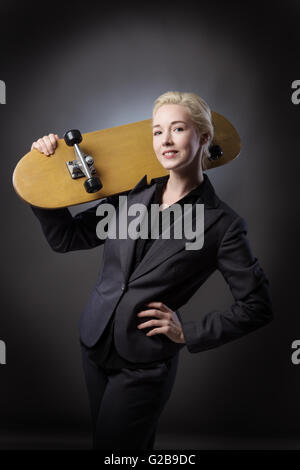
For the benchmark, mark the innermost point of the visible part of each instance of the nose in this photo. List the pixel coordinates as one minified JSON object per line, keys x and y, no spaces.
{"x":167,"y":140}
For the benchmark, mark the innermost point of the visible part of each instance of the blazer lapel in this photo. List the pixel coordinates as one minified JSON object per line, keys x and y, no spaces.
{"x":162,"y":248}
{"x":142,"y":194}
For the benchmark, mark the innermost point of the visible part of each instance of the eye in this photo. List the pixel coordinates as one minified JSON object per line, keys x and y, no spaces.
{"x":179,"y":128}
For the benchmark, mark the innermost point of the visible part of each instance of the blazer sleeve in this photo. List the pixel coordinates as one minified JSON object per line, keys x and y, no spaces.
{"x":249,"y":286}
{"x":67,"y":233}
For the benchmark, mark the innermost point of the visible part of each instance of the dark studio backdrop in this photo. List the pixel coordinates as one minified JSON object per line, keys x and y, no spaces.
{"x":92,"y":67}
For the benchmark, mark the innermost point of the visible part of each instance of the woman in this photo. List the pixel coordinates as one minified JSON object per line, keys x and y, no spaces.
{"x":131,"y":340}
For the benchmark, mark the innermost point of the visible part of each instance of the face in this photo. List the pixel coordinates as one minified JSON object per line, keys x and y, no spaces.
{"x":174,"y":132}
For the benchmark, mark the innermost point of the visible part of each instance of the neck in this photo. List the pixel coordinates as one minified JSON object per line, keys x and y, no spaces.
{"x":182,"y":180}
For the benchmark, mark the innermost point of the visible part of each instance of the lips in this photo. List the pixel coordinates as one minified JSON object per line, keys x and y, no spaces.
{"x":170,"y":151}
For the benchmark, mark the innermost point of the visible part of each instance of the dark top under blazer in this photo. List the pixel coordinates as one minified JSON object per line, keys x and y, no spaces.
{"x":168,"y":273}
{"x":104,"y":352}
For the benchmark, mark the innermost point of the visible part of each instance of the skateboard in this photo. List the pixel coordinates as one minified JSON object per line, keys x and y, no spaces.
{"x":94,"y":165}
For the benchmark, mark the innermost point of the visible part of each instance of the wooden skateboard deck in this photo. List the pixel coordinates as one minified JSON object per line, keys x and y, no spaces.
{"x":122,"y":156}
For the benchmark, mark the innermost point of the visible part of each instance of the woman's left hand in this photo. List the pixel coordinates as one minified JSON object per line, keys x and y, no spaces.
{"x":167,"y":322}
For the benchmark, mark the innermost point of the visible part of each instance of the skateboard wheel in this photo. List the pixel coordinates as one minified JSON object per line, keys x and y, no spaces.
{"x":215,"y":152}
{"x":72,"y":137}
{"x":92,"y":185}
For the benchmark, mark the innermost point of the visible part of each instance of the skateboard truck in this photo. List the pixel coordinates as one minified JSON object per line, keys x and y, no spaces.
{"x":83,"y":165}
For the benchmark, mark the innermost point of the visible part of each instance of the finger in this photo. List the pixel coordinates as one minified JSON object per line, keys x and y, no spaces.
{"x":53,"y":140}
{"x":48,"y":144}
{"x":156,"y":313}
{"x":152,"y":323}
{"x":157,"y":331}
{"x":149,"y":313}
{"x":159,"y":305}
{"x":42,"y":146}
{"x":38,"y":145}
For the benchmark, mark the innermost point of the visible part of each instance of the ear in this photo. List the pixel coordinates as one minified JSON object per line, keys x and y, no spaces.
{"x":204,"y":138}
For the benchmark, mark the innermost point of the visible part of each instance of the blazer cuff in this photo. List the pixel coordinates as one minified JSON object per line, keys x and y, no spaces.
{"x":190,"y":336}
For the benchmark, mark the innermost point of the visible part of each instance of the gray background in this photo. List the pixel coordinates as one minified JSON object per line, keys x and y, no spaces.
{"x":86,"y":67}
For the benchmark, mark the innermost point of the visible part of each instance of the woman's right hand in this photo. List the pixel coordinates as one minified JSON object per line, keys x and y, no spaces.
{"x":46,"y":144}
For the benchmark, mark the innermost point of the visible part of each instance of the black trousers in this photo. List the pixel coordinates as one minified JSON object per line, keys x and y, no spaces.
{"x":126,"y":404}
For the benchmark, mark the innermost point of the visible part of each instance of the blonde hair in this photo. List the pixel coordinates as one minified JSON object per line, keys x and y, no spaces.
{"x":200,"y":114}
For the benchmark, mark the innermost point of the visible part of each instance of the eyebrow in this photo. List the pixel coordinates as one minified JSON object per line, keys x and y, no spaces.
{"x":173,"y":122}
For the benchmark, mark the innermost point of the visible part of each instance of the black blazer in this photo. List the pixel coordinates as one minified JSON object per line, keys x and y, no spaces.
{"x":168,"y":273}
